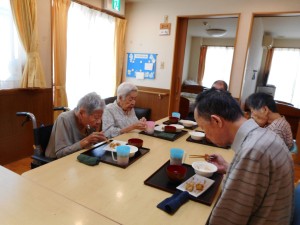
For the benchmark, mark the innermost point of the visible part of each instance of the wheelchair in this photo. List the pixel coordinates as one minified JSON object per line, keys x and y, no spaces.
{"x":41,"y":138}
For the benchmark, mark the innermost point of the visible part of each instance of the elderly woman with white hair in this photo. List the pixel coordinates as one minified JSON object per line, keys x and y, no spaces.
{"x":78,"y":128}
{"x":119,"y":117}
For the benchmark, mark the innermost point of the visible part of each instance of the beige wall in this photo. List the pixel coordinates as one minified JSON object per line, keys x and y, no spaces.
{"x":143,"y":26}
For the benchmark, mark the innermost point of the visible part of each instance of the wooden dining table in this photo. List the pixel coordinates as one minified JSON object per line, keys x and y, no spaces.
{"x":120,"y":194}
{"x":27,"y":203}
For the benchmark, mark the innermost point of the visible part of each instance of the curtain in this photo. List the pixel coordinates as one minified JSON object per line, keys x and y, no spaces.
{"x":267,"y":66}
{"x":285,"y":75}
{"x":59,"y":33}
{"x":25,"y":16}
{"x":90,"y":50}
{"x":218,"y":63}
{"x":119,"y":46}
{"x":12,"y":54}
{"x":201,"y":67}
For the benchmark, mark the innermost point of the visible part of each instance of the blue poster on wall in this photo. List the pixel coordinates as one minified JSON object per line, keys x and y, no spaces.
{"x":141,"y":65}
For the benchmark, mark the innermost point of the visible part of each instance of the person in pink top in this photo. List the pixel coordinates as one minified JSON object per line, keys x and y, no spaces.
{"x":264,"y":112}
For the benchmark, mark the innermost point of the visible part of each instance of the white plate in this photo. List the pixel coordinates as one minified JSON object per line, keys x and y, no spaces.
{"x":190,"y":122}
{"x":109,"y":146}
{"x":161,"y":127}
{"x":133,"y":149}
{"x":196,"y":179}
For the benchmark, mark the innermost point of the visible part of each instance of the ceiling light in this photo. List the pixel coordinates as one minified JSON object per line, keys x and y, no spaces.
{"x":214,"y":32}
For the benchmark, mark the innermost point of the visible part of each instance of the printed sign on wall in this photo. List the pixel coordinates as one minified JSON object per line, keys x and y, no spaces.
{"x":141,"y":65}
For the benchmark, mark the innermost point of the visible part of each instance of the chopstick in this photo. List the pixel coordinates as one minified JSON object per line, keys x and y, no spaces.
{"x":198,"y":156}
{"x":206,"y":156}
{"x":107,"y":141}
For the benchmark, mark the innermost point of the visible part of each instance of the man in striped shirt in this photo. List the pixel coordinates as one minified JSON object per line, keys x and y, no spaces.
{"x":259,"y":184}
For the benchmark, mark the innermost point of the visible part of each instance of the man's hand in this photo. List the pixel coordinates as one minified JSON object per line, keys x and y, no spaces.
{"x":219,"y":161}
{"x":92,"y":139}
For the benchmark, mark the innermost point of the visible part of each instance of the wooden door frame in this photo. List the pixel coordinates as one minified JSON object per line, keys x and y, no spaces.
{"x":179,"y":51}
{"x":178,"y":60}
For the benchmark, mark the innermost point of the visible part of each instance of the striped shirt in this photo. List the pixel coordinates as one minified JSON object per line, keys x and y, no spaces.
{"x":259,"y":186}
{"x":114,"y":119}
{"x":281,"y":127}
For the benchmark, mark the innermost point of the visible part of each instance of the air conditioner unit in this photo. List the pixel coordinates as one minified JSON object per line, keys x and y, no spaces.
{"x":268,"y":41}
{"x":115,"y":6}
{"x":269,"y":89}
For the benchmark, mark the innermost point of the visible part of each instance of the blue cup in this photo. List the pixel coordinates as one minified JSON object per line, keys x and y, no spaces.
{"x":176,"y":156}
{"x":123,"y":152}
{"x":176,"y":114}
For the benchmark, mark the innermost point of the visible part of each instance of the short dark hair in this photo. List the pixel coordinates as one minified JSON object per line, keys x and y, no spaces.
{"x":258,"y":100}
{"x":224,"y":84}
{"x":218,"y":102}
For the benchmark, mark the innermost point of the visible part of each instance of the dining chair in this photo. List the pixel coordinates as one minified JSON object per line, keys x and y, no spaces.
{"x":296,"y":215}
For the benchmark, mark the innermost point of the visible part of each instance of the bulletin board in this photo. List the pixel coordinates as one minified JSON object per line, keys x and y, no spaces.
{"x":141,"y":65}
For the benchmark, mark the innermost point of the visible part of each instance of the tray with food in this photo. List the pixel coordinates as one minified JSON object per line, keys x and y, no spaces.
{"x":159,"y":179}
{"x":167,"y":132}
{"x":104,"y":152}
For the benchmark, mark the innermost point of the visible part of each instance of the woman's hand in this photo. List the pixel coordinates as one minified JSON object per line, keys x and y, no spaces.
{"x":92,"y":139}
{"x":140,"y":125}
{"x":143,"y":119}
{"x":219,"y":161}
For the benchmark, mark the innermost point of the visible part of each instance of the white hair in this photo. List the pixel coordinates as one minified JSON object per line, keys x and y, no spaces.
{"x":124,"y":89}
{"x":91,"y":102}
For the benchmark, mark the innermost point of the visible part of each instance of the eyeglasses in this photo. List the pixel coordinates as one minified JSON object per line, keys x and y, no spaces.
{"x":96,"y":117}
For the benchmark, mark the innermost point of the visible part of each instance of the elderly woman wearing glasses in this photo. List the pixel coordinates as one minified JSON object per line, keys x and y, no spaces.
{"x":119,"y":117}
{"x":78,"y":128}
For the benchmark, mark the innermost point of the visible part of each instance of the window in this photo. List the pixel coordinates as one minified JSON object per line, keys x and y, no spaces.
{"x":285,"y":75}
{"x":218,"y":63}
{"x":12,"y":54}
{"x":90,"y":53}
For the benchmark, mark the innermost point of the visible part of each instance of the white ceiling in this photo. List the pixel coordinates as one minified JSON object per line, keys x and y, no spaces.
{"x":197,"y":28}
{"x":282,"y":27}
{"x":277,"y":27}
{"x":287,"y":27}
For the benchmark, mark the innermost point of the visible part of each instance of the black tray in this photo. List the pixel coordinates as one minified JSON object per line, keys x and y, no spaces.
{"x":160,"y":180}
{"x":105,"y":156}
{"x":166,"y":136}
{"x":204,"y":142}
{"x":167,"y":122}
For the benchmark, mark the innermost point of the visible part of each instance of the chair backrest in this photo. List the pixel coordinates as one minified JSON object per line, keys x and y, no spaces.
{"x":44,"y":136}
{"x":296,"y":217}
{"x":140,"y":112}
{"x":284,"y":103}
{"x":291,"y":114}
{"x":110,"y":100}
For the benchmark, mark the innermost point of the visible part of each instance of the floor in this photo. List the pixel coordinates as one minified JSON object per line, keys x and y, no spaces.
{"x":19,"y":166}
{"x":23,"y":165}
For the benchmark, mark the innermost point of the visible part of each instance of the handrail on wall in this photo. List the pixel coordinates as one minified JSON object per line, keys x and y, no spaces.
{"x":160,"y":94}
